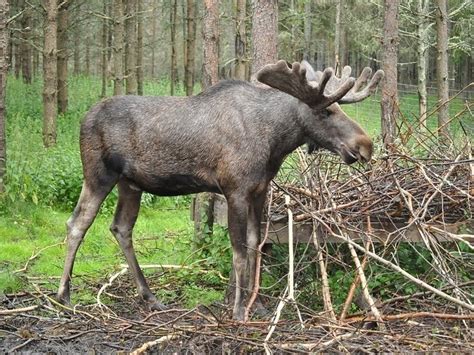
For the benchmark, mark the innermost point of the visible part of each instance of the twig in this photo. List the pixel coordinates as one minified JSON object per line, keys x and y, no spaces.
{"x":328,"y":307}
{"x":109,"y":283}
{"x":34,"y":256}
{"x":364,"y":286}
{"x":389,"y":317}
{"x":150,"y":344}
{"x":18,"y":347}
{"x":256,"y":285}
{"x":4,"y":312}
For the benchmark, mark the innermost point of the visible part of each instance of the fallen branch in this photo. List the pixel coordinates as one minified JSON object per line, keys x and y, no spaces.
{"x":401,"y":316}
{"x":150,"y":344}
{"x":34,"y":256}
{"x":5,"y":312}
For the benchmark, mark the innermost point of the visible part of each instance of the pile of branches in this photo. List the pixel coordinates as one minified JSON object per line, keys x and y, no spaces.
{"x":423,"y":184}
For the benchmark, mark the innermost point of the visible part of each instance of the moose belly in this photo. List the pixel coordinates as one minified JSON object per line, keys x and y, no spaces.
{"x":173,"y":185}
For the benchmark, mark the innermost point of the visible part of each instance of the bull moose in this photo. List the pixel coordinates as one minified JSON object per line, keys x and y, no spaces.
{"x":230,"y":139}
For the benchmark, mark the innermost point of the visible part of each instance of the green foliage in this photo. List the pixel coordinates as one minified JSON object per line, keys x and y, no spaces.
{"x":53,"y":177}
{"x":215,"y":249}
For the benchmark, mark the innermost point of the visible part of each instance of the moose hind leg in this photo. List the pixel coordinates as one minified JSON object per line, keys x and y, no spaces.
{"x":237,"y":214}
{"x":125,"y":217}
{"x":92,"y":196}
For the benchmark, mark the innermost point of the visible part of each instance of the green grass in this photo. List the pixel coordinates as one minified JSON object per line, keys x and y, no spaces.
{"x":367,"y":113}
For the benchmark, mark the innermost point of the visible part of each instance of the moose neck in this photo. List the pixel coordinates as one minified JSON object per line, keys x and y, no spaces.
{"x":285,"y":125}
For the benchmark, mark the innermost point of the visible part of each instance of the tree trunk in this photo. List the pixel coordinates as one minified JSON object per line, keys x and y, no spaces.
{"x":174,"y":63}
{"x":62,"y":57}
{"x":204,"y":202}
{"x":240,"y":41}
{"x":210,"y":34}
{"x":337,"y":37}
{"x":422,"y":60}
{"x":17,"y":57}
{"x":442,"y":67}
{"x":190,"y":47}
{"x":131,"y":47}
{"x":103,"y":57}
{"x":139,"y":16}
{"x":4,"y":34}
{"x":50,"y":77}
{"x":264,"y":34}
{"x":87,"y":70}
{"x":153,"y":38}
{"x":118,"y":47}
{"x":307,"y":52}
{"x":389,"y":102}
{"x":110,"y":40}
{"x":36,"y":52}
{"x":25,"y":47}
{"x":76,"y":56}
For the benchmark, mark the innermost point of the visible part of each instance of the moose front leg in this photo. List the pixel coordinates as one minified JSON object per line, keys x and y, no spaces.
{"x":237,"y":223}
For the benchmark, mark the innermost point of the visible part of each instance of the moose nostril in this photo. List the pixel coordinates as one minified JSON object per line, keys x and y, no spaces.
{"x":365,"y":148}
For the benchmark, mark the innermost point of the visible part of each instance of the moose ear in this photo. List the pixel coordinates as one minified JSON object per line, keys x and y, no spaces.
{"x":310,"y":73}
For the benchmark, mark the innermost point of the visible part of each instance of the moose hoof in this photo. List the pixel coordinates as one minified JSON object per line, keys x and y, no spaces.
{"x":157,"y":306}
{"x":239,"y":314}
{"x":262,"y":312}
{"x":63,"y":299}
{"x":153,"y":304}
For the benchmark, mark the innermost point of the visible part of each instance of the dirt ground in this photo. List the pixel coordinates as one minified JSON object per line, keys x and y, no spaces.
{"x":38,"y":325}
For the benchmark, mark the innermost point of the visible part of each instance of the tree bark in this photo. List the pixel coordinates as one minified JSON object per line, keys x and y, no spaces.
{"x":131,"y":47}
{"x":139,"y":16}
{"x":62,"y":57}
{"x":308,"y":29}
{"x":240,"y":41}
{"x":4,"y":34}
{"x":264,"y":34}
{"x":76,"y":55}
{"x":442,"y":67}
{"x":204,"y":202}
{"x":174,"y":63}
{"x":337,"y":37}
{"x":190,"y":47}
{"x":103,"y":57}
{"x":422,"y":59}
{"x":24,"y":46}
{"x":389,"y":102}
{"x":210,"y":33}
{"x":153,"y":38}
{"x":50,"y":76}
{"x":17,"y":58}
{"x":118,"y":47}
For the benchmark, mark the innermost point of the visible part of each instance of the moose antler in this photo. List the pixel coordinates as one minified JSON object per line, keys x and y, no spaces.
{"x":293,"y":81}
{"x":355,"y":94}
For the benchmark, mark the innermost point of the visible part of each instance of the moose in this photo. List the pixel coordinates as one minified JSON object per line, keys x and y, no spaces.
{"x":230,"y":139}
